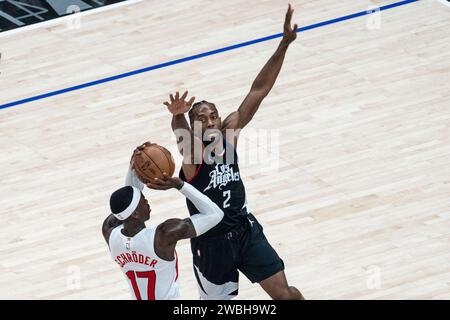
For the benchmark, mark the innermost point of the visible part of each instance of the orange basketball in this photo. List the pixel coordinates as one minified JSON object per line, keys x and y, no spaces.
{"x":152,"y":161}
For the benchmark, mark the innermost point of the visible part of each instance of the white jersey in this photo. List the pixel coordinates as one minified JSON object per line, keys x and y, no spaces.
{"x":149,"y":277}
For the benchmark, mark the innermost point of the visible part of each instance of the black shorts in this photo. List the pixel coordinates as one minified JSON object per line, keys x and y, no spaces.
{"x":218,"y":259}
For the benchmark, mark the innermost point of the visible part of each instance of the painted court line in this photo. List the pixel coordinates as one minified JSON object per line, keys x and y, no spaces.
{"x":201,"y":55}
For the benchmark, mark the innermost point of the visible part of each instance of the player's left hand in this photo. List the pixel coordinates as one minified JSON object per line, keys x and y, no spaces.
{"x":139,"y":149}
{"x":290,"y":33}
{"x":165,"y":183}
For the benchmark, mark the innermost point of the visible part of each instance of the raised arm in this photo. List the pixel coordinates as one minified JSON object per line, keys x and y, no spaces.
{"x":264,"y":81}
{"x":190,"y":147}
{"x":171,"y":231}
{"x":131,"y":179}
{"x":178,"y":106}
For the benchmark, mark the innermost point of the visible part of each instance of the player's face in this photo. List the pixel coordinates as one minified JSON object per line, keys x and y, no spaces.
{"x":210,"y":120}
{"x":144,"y":208}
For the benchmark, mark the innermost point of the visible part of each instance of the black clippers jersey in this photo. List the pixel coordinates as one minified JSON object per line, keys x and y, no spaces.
{"x":221,"y":182}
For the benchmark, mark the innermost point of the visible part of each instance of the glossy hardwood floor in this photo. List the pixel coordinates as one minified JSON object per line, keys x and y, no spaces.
{"x":356,"y":199}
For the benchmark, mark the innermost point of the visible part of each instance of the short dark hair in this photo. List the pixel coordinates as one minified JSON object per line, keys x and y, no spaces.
{"x":195,"y":107}
{"x":121,"y":199}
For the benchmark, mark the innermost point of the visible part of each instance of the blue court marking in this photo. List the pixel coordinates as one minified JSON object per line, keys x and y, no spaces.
{"x":201,"y":55}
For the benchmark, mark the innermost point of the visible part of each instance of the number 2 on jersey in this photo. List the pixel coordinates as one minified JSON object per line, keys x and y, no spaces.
{"x":227,"y":196}
{"x":150,"y":275}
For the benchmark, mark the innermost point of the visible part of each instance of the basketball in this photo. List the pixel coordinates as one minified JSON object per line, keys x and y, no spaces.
{"x":152,"y":161}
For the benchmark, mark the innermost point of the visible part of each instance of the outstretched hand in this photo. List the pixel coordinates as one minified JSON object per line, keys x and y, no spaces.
{"x":165,"y":183}
{"x":179,"y":105}
{"x":290,"y":33}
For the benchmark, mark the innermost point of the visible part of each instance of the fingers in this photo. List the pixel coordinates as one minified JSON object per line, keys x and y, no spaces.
{"x":295,"y":28}
{"x":191,"y":101}
{"x":145,"y":144}
{"x":156,"y":182}
{"x":151,"y":185}
{"x":142,"y":147}
{"x":156,"y":186}
{"x":177,"y":96}
{"x":159,"y":184}
{"x":164,"y":180}
{"x":166,"y":177}
{"x":161,"y":181}
{"x":288,"y":15}
{"x":166,"y":104}
{"x":287,"y":21}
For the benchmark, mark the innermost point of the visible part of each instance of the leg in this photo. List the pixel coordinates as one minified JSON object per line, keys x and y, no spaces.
{"x":217,"y":276}
{"x":277,"y":288}
{"x":208,"y":290}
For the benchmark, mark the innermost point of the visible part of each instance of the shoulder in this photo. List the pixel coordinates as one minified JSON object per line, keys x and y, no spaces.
{"x":110,"y":233}
{"x":232,"y":121}
{"x":189,"y":171}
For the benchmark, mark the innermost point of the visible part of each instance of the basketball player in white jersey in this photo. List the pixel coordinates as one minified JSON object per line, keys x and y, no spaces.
{"x":146,"y":255}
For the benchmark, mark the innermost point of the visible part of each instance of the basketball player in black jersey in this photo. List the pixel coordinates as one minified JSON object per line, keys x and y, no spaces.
{"x":211,"y":166}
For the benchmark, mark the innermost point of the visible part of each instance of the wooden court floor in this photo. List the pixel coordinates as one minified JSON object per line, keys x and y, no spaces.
{"x":354,"y":193}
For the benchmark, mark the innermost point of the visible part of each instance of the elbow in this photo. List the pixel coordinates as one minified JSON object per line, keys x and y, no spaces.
{"x":219,"y":213}
{"x":216,"y":213}
{"x":260,"y":90}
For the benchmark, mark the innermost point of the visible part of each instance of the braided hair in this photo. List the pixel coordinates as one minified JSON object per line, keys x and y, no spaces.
{"x":193,"y":111}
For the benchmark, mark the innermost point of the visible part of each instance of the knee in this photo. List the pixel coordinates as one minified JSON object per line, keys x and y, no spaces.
{"x":289,"y":293}
{"x":282,"y":295}
{"x":297,"y":294}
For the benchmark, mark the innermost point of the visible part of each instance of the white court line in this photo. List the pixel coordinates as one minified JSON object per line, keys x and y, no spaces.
{"x":67,"y":18}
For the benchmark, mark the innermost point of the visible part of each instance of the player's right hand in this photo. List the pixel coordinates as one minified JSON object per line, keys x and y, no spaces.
{"x":165,"y":183}
{"x":178,"y":105}
{"x":138,"y":150}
